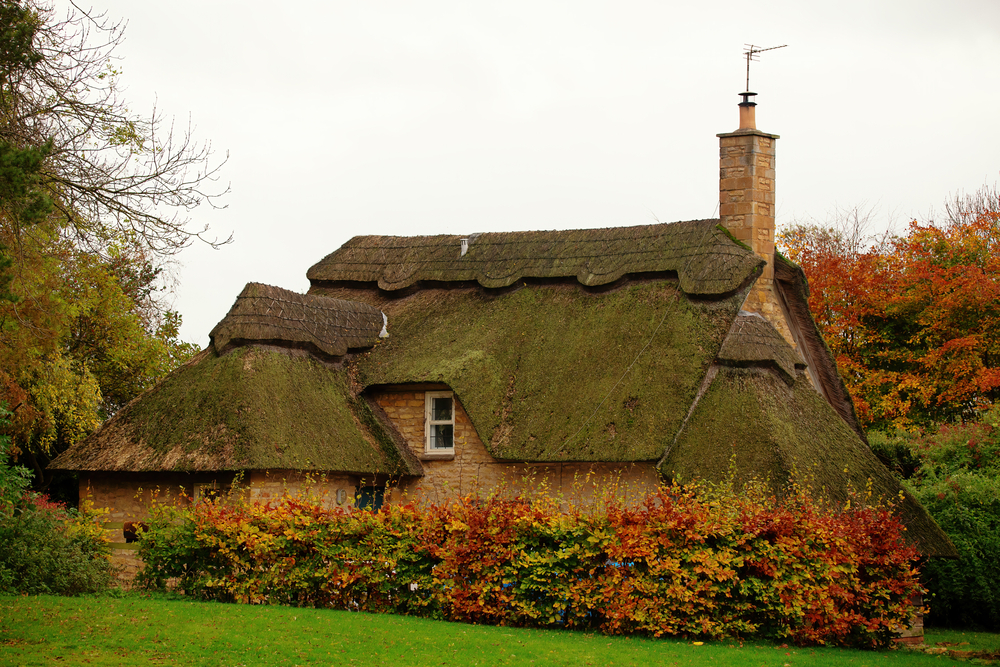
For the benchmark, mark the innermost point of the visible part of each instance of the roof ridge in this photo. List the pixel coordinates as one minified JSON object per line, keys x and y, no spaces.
{"x":706,"y":260}
{"x":265,"y":313}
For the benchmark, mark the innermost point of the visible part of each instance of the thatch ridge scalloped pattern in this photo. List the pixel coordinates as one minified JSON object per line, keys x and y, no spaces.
{"x":264,"y":313}
{"x":706,"y":260}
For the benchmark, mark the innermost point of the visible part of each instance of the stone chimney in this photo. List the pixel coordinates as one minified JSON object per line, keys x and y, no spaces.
{"x":746,"y":204}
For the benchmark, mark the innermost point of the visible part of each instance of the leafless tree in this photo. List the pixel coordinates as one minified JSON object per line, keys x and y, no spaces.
{"x":963,"y":208}
{"x":110,"y":173}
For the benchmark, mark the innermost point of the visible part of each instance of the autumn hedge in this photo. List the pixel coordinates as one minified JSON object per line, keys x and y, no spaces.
{"x":692,"y":561}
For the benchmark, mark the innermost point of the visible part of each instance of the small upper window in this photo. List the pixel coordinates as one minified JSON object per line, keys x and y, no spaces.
{"x":439,"y":420}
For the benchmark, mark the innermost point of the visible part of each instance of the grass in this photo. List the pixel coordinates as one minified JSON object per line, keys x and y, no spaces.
{"x":963,"y":640}
{"x":136,"y":629}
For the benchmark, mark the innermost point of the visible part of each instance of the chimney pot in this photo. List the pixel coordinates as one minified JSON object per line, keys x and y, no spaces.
{"x":748,"y":120}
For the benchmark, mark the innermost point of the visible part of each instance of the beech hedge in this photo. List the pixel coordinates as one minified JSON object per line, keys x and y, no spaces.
{"x":689,"y":560}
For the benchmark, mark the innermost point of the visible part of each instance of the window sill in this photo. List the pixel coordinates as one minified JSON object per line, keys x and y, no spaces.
{"x":442,"y":455}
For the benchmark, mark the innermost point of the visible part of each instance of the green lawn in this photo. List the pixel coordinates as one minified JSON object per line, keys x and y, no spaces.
{"x":963,"y":640}
{"x":141,"y":630}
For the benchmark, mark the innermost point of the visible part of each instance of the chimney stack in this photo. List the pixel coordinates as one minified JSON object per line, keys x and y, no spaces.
{"x":746,"y":204}
{"x":748,"y":121}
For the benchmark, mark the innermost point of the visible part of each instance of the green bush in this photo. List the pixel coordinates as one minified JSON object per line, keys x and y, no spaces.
{"x":954,"y":471}
{"x":964,"y":592}
{"x":44,"y":547}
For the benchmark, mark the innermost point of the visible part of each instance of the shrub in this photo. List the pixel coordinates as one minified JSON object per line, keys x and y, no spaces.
{"x":954,"y":471}
{"x":964,"y":592}
{"x":46,"y":548}
{"x":688,"y":561}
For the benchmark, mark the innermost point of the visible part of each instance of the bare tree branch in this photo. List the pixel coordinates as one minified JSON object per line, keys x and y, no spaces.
{"x":109,"y":171}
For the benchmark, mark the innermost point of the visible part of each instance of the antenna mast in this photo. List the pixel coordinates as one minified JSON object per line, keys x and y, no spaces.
{"x":751,"y":52}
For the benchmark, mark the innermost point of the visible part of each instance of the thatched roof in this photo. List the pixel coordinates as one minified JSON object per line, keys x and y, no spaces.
{"x":267,"y":314}
{"x":752,"y":341}
{"x":252,"y":409}
{"x":552,"y":372}
{"x":752,"y":424}
{"x":658,"y":368}
{"x":701,"y":253}
{"x":608,"y":345}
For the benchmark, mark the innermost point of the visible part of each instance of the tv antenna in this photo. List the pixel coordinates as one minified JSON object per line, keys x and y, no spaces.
{"x":753,"y":52}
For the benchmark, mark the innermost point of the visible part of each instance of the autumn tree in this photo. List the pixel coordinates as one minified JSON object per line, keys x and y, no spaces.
{"x":913,"y":320}
{"x":93,"y":198}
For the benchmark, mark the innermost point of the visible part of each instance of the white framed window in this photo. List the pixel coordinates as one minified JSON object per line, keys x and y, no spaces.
{"x":439,"y":422}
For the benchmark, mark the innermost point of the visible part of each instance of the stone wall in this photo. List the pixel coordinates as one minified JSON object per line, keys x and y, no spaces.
{"x":126,"y":562}
{"x":914,"y":634}
{"x":128,"y":494}
{"x":474,"y":470}
{"x":336,"y":490}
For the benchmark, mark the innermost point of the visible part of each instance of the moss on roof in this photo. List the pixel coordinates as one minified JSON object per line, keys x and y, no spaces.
{"x":702,"y":254}
{"x":271,"y":314}
{"x":553,"y":372}
{"x":752,"y":424}
{"x":251,"y":409}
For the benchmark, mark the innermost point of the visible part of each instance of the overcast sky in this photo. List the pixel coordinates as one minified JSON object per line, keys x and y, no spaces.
{"x":425,"y":117}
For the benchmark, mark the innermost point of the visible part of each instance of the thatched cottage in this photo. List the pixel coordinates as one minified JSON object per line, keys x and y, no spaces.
{"x":438,"y":365}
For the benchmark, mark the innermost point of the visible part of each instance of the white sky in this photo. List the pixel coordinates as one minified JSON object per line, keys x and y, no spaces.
{"x":425,"y":117}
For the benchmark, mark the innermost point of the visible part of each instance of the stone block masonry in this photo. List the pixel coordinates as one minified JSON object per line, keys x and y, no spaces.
{"x":746,"y":207}
{"x":474,"y":470}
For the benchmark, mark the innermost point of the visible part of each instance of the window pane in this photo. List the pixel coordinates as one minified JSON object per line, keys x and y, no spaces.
{"x":442,"y":436}
{"x":441,"y":410}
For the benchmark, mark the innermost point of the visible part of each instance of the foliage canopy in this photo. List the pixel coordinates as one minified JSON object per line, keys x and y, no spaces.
{"x":913,"y":320}
{"x":93,"y":198}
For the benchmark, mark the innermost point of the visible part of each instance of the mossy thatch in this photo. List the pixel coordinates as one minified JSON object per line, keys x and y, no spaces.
{"x":252,"y":409}
{"x":701,"y":253}
{"x":263,"y":313}
{"x":750,"y":424}
{"x":552,"y":372}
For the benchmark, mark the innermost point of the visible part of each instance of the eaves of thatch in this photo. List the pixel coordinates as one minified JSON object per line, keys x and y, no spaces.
{"x":254,"y":408}
{"x":703,"y":255}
